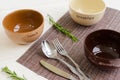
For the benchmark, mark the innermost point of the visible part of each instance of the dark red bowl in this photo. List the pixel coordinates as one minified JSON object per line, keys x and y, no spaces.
{"x":102,"y":48}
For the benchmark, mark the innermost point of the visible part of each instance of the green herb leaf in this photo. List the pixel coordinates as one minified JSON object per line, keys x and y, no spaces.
{"x":13,"y":74}
{"x":61,"y":29}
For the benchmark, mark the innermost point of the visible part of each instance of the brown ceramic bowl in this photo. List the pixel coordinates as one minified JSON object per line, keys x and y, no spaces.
{"x":23,"y":26}
{"x":102,"y":48}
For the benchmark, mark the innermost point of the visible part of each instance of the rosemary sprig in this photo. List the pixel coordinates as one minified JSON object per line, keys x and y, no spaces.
{"x":13,"y":74}
{"x":61,"y":29}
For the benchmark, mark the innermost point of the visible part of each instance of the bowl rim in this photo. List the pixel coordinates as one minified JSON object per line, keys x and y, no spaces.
{"x":40,"y":25}
{"x":92,"y":14}
{"x":85,"y":45}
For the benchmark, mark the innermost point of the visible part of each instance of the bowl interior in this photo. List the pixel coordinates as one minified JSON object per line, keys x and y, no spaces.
{"x":23,"y":21}
{"x":104,"y":44}
{"x":87,"y":6}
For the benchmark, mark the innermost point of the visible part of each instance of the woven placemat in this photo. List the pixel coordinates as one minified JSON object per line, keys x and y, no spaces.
{"x":34,"y":54}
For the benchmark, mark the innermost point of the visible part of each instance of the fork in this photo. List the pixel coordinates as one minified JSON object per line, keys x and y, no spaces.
{"x":63,"y":52}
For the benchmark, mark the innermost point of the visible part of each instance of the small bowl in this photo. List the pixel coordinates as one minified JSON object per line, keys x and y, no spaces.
{"x":102,"y":48}
{"x":87,"y":12}
{"x":23,"y":26}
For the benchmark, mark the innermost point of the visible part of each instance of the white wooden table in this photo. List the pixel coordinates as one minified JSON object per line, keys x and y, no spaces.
{"x":9,"y":51}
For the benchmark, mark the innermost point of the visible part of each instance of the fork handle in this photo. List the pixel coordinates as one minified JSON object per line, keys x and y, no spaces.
{"x":78,"y":69}
{"x":71,"y":68}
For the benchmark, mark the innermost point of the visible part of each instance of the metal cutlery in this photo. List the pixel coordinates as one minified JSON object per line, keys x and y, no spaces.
{"x":63,"y":52}
{"x":57,"y":70}
{"x":49,"y":50}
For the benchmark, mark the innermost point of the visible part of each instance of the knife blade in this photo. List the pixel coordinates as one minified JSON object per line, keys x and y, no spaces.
{"x":57,"y":70}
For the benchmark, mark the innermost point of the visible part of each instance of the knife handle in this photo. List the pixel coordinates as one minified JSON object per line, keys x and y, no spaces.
{"x":57,"y":70}
{"x":71,"y":68}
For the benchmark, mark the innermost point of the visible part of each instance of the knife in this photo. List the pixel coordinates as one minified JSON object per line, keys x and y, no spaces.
{"x":57,"y":70}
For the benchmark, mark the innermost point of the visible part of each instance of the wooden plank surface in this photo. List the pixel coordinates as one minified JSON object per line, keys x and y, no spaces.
{"x":34,"y":54}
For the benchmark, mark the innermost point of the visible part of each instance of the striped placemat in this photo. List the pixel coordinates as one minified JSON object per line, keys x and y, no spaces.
{"x":34,"y":54}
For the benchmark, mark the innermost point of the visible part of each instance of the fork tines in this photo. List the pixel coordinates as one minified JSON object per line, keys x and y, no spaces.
{"x":58,"y":45}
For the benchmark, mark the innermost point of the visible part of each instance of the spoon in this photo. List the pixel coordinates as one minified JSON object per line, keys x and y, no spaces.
{"x":51,"y":52}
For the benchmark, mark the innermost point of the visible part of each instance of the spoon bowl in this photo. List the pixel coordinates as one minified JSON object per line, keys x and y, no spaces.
{"x":48,"y":49}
